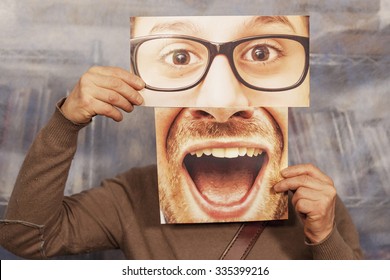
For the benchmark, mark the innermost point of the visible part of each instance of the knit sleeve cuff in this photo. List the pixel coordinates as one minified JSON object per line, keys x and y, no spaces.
{"x":333,"y":247}
{"x":61,"y":130}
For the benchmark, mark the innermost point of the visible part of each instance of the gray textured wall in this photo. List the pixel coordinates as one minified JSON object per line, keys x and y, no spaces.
{"x":46,"y":45}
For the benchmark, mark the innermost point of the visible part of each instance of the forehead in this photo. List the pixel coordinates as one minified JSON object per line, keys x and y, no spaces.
{"x":220,"y":27}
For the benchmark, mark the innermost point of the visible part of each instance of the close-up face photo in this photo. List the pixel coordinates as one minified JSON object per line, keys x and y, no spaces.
{"x":219,"y":164}
{"x":222,"y":61}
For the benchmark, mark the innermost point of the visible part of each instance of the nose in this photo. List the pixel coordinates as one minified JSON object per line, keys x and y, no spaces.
{"x":220,"y":88}
{"x":221,"y":114}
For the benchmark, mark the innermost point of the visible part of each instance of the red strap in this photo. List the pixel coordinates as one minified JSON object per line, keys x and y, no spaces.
{"x":243,"y":241}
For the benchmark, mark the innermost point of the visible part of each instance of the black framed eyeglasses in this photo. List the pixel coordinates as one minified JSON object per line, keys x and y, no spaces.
{"x":176,"y":63}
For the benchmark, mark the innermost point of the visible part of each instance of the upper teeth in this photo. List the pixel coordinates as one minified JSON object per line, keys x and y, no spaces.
{"x":228,"y":152}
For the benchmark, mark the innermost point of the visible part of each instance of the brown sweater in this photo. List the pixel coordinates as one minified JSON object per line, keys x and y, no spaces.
{"x":124,"y":213}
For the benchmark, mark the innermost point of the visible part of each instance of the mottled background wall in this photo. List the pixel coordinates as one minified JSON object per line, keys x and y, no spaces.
{"x":46,"y":45}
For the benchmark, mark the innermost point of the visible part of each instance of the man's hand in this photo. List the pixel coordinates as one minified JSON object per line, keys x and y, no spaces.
{"x":102,"y":91}
{"x":314,"y":199}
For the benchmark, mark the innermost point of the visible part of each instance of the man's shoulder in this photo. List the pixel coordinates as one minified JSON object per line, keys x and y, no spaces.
{"x":144,"y":173}
{"x":140,"y":188}
{"x":139,"y":180}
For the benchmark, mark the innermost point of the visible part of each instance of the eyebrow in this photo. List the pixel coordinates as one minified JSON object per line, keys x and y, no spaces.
{"x":189,"y":27}
{"x":178,"y":26}
{"x":266,"y":20}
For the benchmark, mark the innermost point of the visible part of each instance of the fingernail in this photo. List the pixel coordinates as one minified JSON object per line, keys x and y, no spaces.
{"x":284,"y":172}
{"x":140,"y":83}
{"x":140,"y":99}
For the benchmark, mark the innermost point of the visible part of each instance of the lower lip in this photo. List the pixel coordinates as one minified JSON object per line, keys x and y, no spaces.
{"x":234,"y":211}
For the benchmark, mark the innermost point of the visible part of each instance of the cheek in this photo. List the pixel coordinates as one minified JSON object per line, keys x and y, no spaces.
{"x":297,"y":97}
{"x":169,"y":99}
{"x":300,"y":96}
{"x":280,"y":115}
{"x":302,"y":93}
{"x":164,"y":118}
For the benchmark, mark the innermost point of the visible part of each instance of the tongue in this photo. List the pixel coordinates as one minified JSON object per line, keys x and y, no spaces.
{"x":223,"y":181}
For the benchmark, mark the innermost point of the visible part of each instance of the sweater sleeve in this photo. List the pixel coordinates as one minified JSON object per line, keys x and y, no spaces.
{"x":343,"y":242}
{"x":39,"y":221}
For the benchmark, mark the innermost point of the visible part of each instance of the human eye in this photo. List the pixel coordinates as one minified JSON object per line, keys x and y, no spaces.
{"x":262,"y":52}
{"x":179,"y":55}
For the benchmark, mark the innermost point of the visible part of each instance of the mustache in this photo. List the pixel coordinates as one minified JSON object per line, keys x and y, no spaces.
{"x":205,"y":129}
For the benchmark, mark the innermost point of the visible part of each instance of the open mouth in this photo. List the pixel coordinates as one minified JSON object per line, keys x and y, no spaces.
{"x":225,"y":178}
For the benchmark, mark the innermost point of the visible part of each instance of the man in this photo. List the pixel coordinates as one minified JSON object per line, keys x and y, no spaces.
{"x":124,"y":213}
